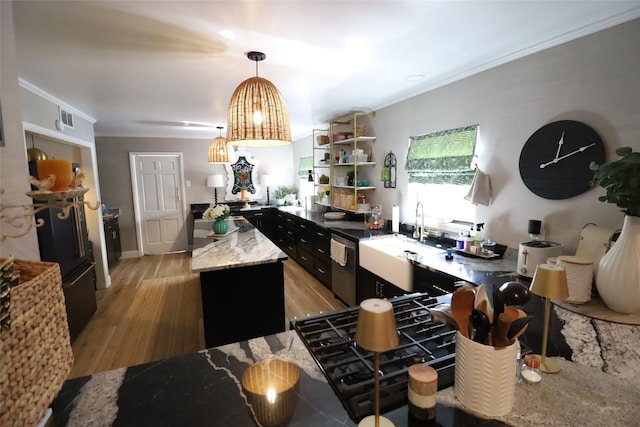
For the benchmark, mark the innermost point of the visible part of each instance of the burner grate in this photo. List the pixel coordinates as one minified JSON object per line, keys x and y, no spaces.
{"x":349,"y":368}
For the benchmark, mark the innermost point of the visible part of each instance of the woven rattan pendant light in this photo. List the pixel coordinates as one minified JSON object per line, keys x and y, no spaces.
{"x":258,"y":116}
{"x":218,"y":149}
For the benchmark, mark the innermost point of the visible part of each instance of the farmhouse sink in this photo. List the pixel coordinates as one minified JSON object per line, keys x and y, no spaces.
{"x":389,"y":258}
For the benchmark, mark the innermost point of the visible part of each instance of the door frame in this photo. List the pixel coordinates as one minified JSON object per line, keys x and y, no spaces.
{"x":133,"y":157}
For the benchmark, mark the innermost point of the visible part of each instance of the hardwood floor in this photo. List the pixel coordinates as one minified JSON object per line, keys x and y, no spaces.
{"x":153,"y":311}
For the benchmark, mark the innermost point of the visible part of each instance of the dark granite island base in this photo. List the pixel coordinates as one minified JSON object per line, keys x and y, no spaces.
{"x":241,"y":283}
{"x":242,"y":303}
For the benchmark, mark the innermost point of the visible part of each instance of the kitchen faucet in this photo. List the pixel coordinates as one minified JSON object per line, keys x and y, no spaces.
{"x":420,"y":234}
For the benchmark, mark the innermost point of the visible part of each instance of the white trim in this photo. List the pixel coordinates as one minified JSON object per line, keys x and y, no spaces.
{"x":30,"y":127}
{"x":133,"y":155}
{"x":46,"y":95}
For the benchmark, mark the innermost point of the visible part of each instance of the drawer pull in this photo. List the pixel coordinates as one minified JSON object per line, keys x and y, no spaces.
{"x":321,"y":271}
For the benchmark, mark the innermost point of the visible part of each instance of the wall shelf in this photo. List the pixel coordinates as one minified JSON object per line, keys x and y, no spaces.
{"x":20,"y":219}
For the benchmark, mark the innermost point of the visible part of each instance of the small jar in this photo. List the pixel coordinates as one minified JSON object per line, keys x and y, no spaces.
{"x":422,"y":388}
{"x":362,"y":199}
{"x":530,"y":370}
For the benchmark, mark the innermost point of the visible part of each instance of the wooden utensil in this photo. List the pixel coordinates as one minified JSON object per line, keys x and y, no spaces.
{"x":501,"y":329}
{"x":461,"y":308}
{"x":518,"y":327}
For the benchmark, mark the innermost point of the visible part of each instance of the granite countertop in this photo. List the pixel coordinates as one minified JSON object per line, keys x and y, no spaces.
{"x":242,"y":246}
{"x":475,"y":270}
{"x":204,"y":388}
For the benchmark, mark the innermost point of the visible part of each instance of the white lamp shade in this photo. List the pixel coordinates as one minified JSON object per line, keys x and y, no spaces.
{"x":215,"y":181}
{"x":266,"y":180}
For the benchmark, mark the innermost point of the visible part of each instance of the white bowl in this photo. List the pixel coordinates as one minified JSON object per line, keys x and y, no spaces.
{"x":363,"y":207}
{"x":334,"y":215}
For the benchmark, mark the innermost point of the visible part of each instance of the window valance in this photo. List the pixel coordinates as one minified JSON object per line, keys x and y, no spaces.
{"x":442,"y":157}
{"x":305,"y":165}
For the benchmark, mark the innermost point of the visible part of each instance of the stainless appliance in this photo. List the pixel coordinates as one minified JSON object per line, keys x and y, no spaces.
{"x":329,"y":337}
{"x":343,"y":271}
{"x":535,"y":252}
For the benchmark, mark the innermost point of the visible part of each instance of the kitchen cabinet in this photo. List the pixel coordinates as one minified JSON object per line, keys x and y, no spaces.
{"x":112,"y":239}
{"x":306,"y":243}
{"x":349,"y":174}
{"x":431,"y":281}
{"x":262,"y":219}
{"x":315,"y":242}
{"x":370,"y":285}
{"x":286,"y":234}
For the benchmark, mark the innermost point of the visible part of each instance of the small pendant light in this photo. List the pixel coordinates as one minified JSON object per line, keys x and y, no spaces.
{"x":218,"y":149}
{"x":258,"y":115}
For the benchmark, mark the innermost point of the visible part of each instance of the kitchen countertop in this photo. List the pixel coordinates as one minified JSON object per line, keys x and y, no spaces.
{"x":242,"y":246}
{"x":204,"y":388}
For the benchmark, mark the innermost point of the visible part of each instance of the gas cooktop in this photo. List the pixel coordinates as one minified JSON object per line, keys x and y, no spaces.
{"x":329,"y":337}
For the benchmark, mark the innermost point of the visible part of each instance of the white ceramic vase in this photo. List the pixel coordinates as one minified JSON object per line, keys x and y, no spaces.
{"x":618,"y":274}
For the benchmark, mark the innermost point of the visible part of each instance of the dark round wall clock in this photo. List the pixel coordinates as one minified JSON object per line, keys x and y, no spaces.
{"x":554,"y":162}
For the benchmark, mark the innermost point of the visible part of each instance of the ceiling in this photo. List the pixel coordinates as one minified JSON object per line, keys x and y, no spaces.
{"x":145,"y":68}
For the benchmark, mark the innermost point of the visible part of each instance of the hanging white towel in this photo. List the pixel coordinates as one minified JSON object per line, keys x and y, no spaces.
{"x":338,"y":253}
{"x":480,"y":191}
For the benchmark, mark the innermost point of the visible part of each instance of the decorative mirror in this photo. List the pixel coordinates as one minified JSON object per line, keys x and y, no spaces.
{"x":242,"y":175}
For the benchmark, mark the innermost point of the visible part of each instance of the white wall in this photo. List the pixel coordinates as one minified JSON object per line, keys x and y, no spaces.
{"x":594,"y":80}
{"x":115,"y":180}
{"x":13,"y":156}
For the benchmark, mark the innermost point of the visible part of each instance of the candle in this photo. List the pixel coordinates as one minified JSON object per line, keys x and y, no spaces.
{"x":60,"y":168}
{"x":423,"y":385}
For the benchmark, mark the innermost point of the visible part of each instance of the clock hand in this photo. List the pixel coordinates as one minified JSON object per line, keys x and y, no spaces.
{"x":555,"y":159}
{"x":559,"y":146}
{"x":579,"y":150}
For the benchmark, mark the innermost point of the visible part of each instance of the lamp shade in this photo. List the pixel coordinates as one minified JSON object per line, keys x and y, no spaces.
{"x":219,"y":150}
{"x":214,"y":181}
{"x":550,"y":281}
{"x":266,"y":180}
{"x":376,"y":330}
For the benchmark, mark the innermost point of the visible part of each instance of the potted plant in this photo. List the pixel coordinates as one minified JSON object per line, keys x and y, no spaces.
{"x":324,"y":179}
{"x":292,"y":196}
{"x":280,"y":193}
{"x":619,"y":269}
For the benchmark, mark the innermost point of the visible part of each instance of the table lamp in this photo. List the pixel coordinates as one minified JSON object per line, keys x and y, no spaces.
{"x":376,"y":331}
{"x":549,"y":281}
{"x":266,"y":180}
{"x":215,"y":181}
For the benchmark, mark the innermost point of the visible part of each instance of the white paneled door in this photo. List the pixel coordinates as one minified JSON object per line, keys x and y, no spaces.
{"x":160,"y":208}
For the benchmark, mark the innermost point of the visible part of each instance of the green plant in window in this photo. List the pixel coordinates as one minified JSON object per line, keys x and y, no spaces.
{"x":281,"y":192}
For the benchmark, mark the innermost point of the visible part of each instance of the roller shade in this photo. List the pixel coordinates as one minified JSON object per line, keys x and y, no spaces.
{"x":442,"y":157}
{"x":305,"y":165}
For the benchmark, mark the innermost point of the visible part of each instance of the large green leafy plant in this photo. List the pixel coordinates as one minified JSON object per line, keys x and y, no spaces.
{"x":621,"y":179}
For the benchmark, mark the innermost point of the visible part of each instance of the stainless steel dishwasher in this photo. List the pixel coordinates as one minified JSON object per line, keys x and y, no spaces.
{"x":343,"y":277}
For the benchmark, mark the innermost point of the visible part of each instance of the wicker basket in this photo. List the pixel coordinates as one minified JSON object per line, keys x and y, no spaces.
{"x":322,"y":139}
{"x":35,"y":352}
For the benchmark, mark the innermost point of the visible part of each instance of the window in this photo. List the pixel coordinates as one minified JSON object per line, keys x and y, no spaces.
{"x":304,"y":166}
{"x":440,"y":174}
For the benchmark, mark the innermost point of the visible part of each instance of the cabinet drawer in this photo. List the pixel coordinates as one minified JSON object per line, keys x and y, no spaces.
{"x":322,"y":272}
{"x":305,"y":259}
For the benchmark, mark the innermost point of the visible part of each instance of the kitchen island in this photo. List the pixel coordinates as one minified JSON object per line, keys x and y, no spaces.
{"x":241,"y":282}
{"x":204,"y":389}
